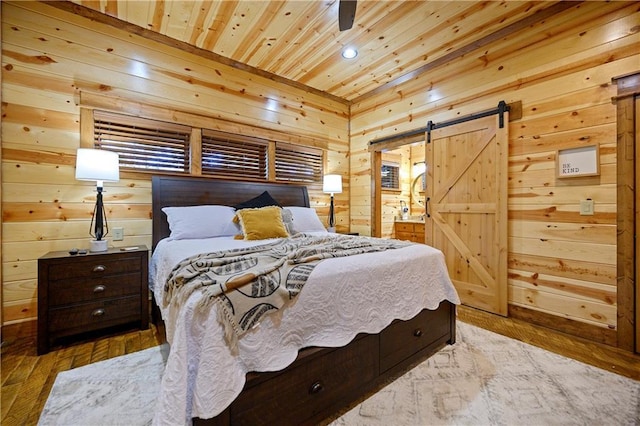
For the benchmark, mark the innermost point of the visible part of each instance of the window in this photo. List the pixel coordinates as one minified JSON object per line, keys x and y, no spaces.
{"x":147,"y":145}
{"x":143,"y":144}
{"x":390,"y":175}
{"x":298,"y":164}
{"x":227,"y":155}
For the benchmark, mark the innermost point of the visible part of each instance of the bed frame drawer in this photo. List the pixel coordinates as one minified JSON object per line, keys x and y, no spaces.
{"x":402,"y":339}
{"x":324,"y":381}
{"x":318,"y":384}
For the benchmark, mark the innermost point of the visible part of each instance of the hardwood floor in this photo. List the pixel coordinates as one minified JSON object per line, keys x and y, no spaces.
{"x":27,"y":378}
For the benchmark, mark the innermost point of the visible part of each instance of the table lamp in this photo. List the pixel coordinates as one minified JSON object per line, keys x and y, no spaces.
{"x":102,"y":166}
{"x":332,"y":184}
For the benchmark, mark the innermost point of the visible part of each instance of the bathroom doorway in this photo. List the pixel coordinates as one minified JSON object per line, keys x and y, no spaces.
{"x":398,"y":187}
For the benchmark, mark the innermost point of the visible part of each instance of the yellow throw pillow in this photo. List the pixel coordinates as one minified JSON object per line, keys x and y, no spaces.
{"x":262,"y":223}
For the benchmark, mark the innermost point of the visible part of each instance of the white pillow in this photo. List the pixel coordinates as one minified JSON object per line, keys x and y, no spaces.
{"x":305,"y":219}
{"x":201,"y":221}
{"x":287,"y":219}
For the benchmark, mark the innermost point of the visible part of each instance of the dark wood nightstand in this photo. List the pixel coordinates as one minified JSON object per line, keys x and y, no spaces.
{"x":90,"y":292}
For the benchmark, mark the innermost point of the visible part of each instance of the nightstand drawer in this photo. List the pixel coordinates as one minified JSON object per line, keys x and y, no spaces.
{"x":76,"y":290}
{"x":92,"y":266}
{"x":93,"y":316}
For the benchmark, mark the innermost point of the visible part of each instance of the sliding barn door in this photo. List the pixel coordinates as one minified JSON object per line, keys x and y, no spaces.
{"x":467,"y":208}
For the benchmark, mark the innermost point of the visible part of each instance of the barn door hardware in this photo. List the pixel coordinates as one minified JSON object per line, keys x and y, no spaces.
{"x":500,"y":109}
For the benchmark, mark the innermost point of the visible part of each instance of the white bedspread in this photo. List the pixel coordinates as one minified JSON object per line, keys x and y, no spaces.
{"x":202,"y":377}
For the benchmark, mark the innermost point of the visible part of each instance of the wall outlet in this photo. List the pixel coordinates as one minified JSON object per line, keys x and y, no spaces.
{"x":118,"y":234}
{"x":586,"y":207}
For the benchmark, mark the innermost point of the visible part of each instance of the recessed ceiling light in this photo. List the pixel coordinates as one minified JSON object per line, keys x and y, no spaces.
{"x":349,"y":53}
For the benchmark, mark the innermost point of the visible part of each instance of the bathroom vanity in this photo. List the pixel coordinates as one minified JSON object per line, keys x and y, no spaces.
{"x":410,"y":230}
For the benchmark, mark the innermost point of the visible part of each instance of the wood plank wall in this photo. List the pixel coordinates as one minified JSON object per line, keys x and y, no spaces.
{"x":562,"y":266}
{"x":49,"y":57}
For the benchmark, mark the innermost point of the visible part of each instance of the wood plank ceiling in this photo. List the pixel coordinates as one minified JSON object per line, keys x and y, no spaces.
{"x":299,"y":40}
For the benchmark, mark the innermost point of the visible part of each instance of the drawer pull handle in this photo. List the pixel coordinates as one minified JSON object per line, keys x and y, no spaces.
{"x":97,"y":313}
{"x":99,"y":268}
{"x":99,"y":289}
{"x":315,"y":388}
{"x":417,"y":332}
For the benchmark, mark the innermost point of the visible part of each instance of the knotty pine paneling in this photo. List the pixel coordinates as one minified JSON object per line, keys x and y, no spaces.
{"x":298,"y":39}
{"x":50,"y":58}
{"x":560,"y":62}
{"x":560,"y":263}
{"x":132,"y":64}
{"x":560,"y":70}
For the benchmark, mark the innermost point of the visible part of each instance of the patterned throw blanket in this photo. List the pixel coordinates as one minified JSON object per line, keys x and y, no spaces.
{"x":248,"y":283}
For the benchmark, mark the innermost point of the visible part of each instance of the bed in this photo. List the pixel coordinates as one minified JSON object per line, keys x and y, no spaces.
{"x":285,"y":371}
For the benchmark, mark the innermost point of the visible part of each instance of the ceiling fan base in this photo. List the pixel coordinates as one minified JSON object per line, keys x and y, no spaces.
{"x":346,"y":14}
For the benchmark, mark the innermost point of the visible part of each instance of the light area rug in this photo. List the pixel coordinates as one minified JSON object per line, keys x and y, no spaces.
{"x":484,"y":379}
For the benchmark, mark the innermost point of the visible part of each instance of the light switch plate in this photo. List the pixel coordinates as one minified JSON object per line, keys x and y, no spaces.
{"x":586,"y":207}
{"x":118,"y":234}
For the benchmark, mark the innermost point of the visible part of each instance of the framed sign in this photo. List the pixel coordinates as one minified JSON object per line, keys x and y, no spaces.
{"x":575,"y":162}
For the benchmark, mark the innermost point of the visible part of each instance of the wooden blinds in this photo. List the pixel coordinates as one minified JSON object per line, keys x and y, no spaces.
{"x":151,"y":145}
{"x":390,"y":175}
{"x":299,"y":164}
{"x":228,"y":155}
{"x":142,"y":143}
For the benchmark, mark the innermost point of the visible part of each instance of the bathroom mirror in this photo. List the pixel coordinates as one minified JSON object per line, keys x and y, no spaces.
{"x":418,"y":185}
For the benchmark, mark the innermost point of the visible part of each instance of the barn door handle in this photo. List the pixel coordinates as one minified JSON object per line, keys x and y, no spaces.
{"x":426,"y":207}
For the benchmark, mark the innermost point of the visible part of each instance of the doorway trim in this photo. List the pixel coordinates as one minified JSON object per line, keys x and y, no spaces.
{"x":627,"y":104}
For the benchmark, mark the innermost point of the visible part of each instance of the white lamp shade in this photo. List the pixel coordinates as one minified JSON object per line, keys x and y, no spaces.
{"x":332,"y":184}
{"x":97,"y":165}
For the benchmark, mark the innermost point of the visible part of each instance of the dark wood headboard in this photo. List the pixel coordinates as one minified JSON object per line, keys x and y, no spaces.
{"x":193,"y":191}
